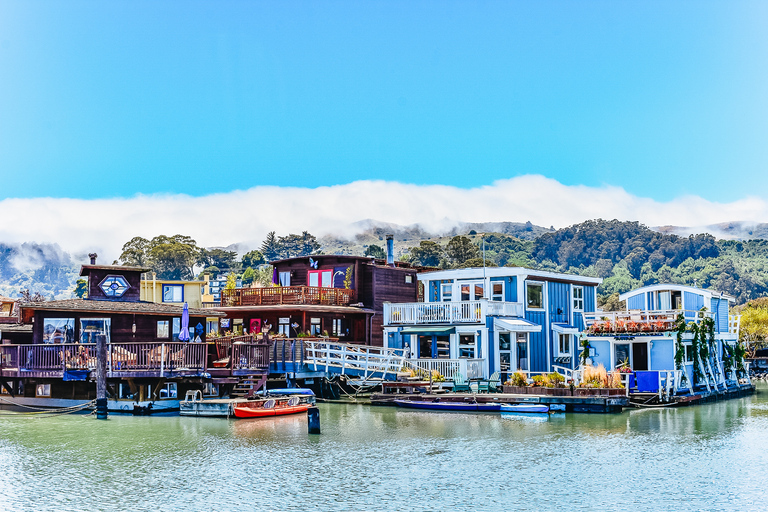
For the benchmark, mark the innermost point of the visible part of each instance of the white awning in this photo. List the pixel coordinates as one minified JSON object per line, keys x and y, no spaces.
{"x":565,"y":328}
{"x":515,"y":325}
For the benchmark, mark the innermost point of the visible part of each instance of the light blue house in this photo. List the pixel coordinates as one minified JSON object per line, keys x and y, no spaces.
{"x":644,"y":337}
{"x":478,"y":321}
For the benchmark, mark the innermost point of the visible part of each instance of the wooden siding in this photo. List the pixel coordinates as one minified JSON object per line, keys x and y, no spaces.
{"x":96,"y":276}
{"x":538,"y":342}
{"x":559,"y":302}
{"x":692,"y":301}
{"x":720,"y":308}
{"x":651,"y":301}
{"x":636,"y":302}
{"x":389,"y":286}
{"x":590,"y":298}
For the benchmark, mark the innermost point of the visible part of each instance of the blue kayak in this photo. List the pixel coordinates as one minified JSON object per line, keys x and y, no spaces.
{"x":526,"y":408}
{"x":448,"y":406}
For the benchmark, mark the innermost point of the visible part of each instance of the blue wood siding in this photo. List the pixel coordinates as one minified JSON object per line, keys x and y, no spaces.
{"x":720,"y":309}
{"x":559,"y":302}
{"x":651,"y":302}
{"x":662,"y":354}
{"x":590,"y":298}
{"x":602,"y":352}
{"x":538,"y":342}
{"x":636,"y":301}
{"x":692,"y":301}
{"x":434,"y":291}
{"x":578,"y":321}
{"x":510,"y":287}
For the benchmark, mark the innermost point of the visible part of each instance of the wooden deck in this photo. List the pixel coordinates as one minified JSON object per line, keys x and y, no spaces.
{"x":287,"y":295}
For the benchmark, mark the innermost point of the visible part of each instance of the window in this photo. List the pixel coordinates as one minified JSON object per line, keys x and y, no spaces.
{"x":169,"y":390}
{"x":522,"y":351}
{"x":578,"y":298}
{"x":285,"y":278}
{"x":173,"y":293}
{"x":114,"y":286}
{"x":210,"y":389}
{"x":337,"y":327}
{"x":408,"y":279}
{"x":43,"y":390}
{"x":124,"y":391}
{"x":622,"y":354}
{"x":320,"y":278}
{"x":472,"y":291}
{"x":90,"y":328}
{"x":497,"y":291}
{"x":162,"y":329}
{"x":284,"y":326}
{"x":564,"y":345}
{"x":314,"y":326}
{"x":465,"y":292}
{"x":534,"y":293}
{"x":176,"y":328}
{"x":467,"y":345}
{"x":446,"y":292}
{"x":58,"y":330}
{"x":689,"y":353}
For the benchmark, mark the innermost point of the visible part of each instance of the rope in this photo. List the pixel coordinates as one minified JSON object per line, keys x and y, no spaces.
{"x":44,"y":411}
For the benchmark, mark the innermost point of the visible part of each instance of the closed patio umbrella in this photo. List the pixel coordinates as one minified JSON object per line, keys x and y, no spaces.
{"x":275,"y":277}
{"x":184,"y":333}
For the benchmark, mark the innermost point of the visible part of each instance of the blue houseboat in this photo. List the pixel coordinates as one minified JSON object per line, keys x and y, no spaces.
{"x":672,"y":340}
{"x":478,"y":321}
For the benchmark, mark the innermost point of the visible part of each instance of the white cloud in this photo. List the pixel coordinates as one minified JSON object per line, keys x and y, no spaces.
{"x":103,"y":225}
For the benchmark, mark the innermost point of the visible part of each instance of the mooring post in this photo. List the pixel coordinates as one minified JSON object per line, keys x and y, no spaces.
{"x":313,"y":420}
{"x":101,"y":377}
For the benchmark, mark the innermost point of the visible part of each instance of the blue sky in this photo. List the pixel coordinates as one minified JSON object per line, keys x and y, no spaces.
{"x":115,"y":99}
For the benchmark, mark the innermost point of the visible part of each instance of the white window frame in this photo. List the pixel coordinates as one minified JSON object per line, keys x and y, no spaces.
{"x":543,"y":295}
{"x":171,"y":390}
{"x":284,"y":326}
{"x":473,"y":346}
{"x":494,"y":294}
{"x":560,"y":337}
{"x":578,"y":302}
{"x":516,"y":365}
{"x":284,"y":278}
{"x":446,"y":297}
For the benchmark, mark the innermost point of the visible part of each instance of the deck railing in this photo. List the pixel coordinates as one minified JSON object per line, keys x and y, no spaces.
{"x":343,"y":357}
{"x":457,"y":312}
{"x":287,"y":295}
{"x":469,"y":368}
{"x":618,"y":322}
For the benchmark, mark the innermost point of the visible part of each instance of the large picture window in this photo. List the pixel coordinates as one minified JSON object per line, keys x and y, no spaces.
{"x":534,"y":294}
{"x":91,"y":328}
{"x":59,"y":330}
{"x":173,"y":293}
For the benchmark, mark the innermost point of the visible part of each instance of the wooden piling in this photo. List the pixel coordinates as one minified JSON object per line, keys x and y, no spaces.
{"x":313,"y":420}
{"x":101,"y":377}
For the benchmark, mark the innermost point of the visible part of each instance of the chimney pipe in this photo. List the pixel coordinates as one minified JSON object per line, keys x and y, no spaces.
{"x":391,"y":250}
{"x":93,"y":256}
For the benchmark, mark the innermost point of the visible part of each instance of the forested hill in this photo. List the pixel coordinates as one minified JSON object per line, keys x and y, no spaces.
{"x":625,"y":254}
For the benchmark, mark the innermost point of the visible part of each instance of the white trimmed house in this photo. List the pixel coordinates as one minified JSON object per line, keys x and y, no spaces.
{"x":482,"y":320}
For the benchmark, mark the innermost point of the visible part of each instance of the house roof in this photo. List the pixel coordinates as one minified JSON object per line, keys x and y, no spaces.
{"x":6,"y":299}
{"x":116,"y":268}
{"x":109,"y":306}
{"x":707,"y":294}
{"x":489,"y":272}
{"x":17,"y":328}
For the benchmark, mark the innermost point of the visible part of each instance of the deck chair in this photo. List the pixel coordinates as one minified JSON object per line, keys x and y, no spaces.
{"x":485,"y":385}
{"x":459,"y":384}
{"x":494,"y":383}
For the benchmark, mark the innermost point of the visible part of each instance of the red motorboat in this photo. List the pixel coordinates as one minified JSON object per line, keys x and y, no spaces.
{"x":270,"y":407}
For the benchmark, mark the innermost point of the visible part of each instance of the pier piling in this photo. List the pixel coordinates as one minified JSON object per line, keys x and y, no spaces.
{"x":101,"y":377}
{"x":313,"y":420}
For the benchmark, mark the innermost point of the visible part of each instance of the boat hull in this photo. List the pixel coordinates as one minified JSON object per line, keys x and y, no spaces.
{"x":261,"y":412}
{"x":448,"y":406}
{"x":525,"y":408}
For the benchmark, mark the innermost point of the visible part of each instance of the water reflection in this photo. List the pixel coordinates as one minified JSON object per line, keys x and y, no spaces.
{"x":376,"y":458}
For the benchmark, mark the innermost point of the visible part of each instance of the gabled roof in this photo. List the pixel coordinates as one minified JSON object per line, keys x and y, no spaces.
{"x":110,"y":306}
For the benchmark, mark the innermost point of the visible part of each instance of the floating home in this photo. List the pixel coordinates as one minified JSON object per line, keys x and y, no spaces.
{"x":148,"y":366}
{"x":478,"y":321}
{"x":643,"y":340}
{"x":341,"y":297}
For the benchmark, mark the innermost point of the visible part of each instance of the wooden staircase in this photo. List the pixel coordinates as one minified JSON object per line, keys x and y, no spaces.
{"x":248,"y":385}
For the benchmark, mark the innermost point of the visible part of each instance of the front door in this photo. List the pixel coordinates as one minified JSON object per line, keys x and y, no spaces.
{"x":640,"y":356}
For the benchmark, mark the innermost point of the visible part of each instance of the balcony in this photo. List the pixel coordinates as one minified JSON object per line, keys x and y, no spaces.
{"x":653,"y":321}
{"x":287,"y":295}
{"x":458,"y":312}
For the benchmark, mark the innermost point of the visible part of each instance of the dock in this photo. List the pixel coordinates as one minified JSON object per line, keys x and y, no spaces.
{"x":586,"y":404}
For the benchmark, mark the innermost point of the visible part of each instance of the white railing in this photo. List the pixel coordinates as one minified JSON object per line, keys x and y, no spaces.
{"x":638,"y":321}
{"x":325,"y":355}
{"x":457,"y":312}
{"x":469,"y":368}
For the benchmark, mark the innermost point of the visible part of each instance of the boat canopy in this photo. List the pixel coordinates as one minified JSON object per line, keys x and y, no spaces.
{"x":515,"y":325}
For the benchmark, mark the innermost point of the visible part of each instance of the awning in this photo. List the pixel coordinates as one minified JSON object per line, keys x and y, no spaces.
{"x":429,"y":331}
{"x":565,"y":328}
{"x":515,"y":325}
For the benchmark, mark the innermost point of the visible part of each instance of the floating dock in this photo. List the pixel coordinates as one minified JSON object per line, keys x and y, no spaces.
{"x":589,"y":404}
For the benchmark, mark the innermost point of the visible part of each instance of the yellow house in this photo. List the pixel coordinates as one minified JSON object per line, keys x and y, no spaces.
{"x":6,"y":306}
{"x":167,"y":291}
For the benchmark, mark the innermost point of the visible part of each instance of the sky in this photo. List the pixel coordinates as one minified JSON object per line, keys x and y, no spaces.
{"x":116,"y":116}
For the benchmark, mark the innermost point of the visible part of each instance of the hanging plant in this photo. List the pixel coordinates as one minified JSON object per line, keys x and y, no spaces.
{"x":695,"y":342}
{"x":679,"y":348}
{"x":584,"y":355}
{"x":728,"y":358}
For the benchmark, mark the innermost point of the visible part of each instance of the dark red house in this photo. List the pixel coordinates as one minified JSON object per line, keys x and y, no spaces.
{"x":338,"y":296}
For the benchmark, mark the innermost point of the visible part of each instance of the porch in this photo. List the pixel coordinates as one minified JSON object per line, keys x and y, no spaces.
{"x":287,"y":295}
{"x":457,"y":312}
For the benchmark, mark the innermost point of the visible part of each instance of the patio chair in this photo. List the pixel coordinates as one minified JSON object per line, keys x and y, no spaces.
{"x":488,"y":385}
{"x":460,"y":385}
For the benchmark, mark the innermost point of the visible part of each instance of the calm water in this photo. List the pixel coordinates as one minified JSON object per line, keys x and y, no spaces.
{"x":710,"y":457}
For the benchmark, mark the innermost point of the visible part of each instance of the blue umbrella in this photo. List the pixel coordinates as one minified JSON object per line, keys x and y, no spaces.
{"x":184,"y":333}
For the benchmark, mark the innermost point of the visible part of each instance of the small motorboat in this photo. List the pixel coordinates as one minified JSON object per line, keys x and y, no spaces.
{"x":448,"y":406}
{"x":525,"y":408}
{"x":270,"y":407}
